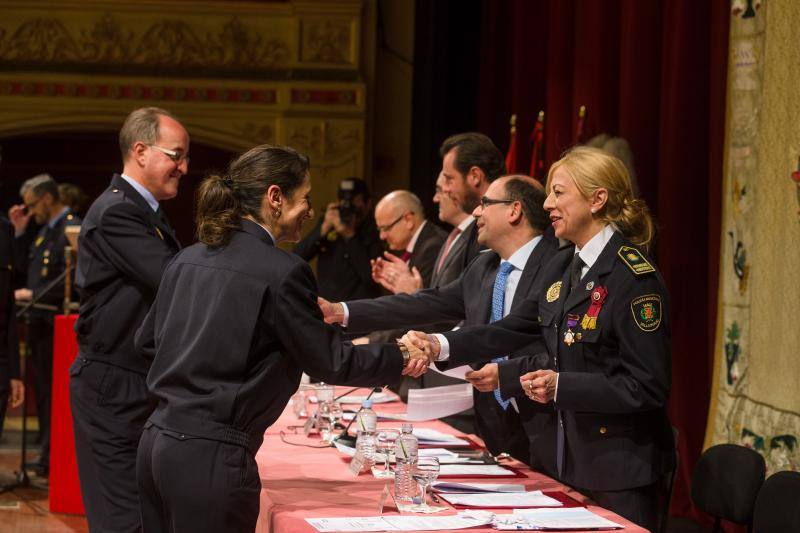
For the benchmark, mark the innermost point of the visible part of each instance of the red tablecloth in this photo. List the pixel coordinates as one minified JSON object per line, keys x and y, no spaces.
{"x":300,"y":483}
{"x":65,"y":491}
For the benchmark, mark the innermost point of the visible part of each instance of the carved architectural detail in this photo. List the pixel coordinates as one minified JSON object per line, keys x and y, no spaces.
{"x":326,"y":41}
{"x":324,"y":140}
{"x":257,"y":133}
{"x":164,"y":43}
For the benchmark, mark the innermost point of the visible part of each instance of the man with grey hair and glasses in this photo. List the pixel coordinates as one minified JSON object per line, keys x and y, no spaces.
{"x":45,"y":263}
{"x":125,"y":244}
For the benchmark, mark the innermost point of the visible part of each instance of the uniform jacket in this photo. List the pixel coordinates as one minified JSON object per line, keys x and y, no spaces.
{"x":343,"y":266}
{"x":231,"y":331}
{"x":614,"y":379}
{"x":46,"y":261}
{"x":9,"y":345}
{"x":123,"y":249}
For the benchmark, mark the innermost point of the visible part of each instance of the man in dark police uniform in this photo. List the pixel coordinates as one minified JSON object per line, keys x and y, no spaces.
{"x":46,"y":262}
{"x":126,"y":243}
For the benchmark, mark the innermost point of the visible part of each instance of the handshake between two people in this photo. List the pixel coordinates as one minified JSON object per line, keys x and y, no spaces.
{"x":422,"y":349}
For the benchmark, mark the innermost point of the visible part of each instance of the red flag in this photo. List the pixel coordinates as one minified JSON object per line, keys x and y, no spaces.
{"x":511,"y":155}
{"x":581,"y":124}
{"x":537,"y":138}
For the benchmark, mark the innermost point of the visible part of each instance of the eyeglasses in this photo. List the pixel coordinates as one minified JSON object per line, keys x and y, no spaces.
{"x":486,"y":202}
{"x":387,"y":227}
{"x":176,"y":157}
{"x":29,"y":207}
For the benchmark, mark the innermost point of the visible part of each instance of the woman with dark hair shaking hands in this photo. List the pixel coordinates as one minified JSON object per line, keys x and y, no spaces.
{"x":233,"y":327}
{"x":603,"y":312}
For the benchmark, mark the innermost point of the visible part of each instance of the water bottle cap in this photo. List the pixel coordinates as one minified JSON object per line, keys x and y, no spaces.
{"x":408,"y":428}
{"x":366,"y":404}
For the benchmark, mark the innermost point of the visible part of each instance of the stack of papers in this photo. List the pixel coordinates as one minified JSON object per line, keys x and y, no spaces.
{"x":503,"y":499}
{"x":475,"y":470}
{"x":452,"y":487}
{"x":428,"y":436}
{"x":570,"y":518}
{"x":401,"y":523}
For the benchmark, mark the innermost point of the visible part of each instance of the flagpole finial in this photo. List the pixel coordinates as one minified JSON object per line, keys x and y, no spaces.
{"x":513,"y":123}
{"x":582,"y":112}
{"x":540,"y":118}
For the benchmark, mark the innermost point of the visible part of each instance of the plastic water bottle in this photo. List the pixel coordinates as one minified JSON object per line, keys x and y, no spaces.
{"x":366,"y":429}
{"x":405,"y":453}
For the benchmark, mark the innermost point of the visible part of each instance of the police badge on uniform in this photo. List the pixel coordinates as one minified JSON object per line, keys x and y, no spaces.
{"x":553,"y":292}
{"x":647,"y":312}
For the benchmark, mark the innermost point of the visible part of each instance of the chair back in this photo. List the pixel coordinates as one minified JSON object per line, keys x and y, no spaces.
{"x":777,"y":507}
{"x":726,"y":481}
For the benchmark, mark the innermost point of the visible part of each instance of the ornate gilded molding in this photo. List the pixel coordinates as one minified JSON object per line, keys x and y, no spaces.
{"x":324,"y":139}
{"x":281,"y":40}
{"x":164,"y":43}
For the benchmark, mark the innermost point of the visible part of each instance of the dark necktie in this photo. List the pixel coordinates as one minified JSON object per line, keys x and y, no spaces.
{"x":575,"y":269}
{"x":161,"y":215}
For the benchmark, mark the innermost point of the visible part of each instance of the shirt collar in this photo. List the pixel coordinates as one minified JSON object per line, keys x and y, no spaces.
{"x":61,"y":214}
{"x":591,"y":251}
{"x":464,"y":224}
{"x":520,"y":258}
{"x":413,"y":241}
{"x":142,"y":190}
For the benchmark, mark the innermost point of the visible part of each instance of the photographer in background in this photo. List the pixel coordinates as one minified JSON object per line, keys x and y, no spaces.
{"x":344,"y":241}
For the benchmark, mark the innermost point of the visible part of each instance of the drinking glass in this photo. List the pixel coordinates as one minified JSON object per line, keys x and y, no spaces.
{"x":329,"y":414}
{"x":425,"y":472}
{"x":384,"y":445}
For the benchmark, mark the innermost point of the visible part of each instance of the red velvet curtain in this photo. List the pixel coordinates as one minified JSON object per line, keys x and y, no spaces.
{"x":654,"y":73}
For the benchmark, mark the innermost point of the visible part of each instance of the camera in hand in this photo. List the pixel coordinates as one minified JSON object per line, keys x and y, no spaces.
{"x":346,"y":193}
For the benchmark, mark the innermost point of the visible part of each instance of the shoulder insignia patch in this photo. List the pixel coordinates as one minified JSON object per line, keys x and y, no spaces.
{"x":553,"y":292}
{"x":634,"y":260}
{"x":647,"y":312}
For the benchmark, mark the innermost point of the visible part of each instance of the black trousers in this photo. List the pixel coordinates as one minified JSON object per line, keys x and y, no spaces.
{"x":193,"y":485}
{"x":40,"y":340}
{"x":639,"y":505}
{"x":502,"y":431}
{"x":109,"y":409}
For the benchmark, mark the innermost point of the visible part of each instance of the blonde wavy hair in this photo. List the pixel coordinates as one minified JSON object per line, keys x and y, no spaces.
{"x":592,"y":169}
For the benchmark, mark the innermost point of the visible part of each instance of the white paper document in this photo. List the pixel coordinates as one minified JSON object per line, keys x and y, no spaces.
{"x":475,"y":470}
{"x":570,"y":518}
{"x":453,"y":487}
{"x":438,"y":402}
{"x":498,"y":499}
{"x":399,"y":523}
{"x":431,"y":436}
{"x":456,"y":372}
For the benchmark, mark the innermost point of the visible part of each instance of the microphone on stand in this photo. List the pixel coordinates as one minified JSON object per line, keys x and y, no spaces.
{"x":344,"y":437}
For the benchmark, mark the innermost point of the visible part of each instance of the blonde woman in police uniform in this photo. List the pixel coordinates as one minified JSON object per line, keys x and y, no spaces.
{"x":603,"y":313}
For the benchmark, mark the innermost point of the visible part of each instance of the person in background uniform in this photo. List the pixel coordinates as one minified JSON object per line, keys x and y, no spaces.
{"x":344,"y":242}
{"x":74,"y":197}
{"x":125,"y":243}
{"x":234,"y":325}
{"x":603,"y":313}
{"x":12,"y":391}
{"x":510,"y":221}
{"x":46,"y":263}
{"x":470,"y":162}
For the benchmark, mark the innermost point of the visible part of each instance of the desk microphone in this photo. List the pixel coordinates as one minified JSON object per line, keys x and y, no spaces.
{"x":344,"y":437}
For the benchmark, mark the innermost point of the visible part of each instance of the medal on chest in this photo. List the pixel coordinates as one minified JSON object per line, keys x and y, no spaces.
{"x":589,"y":320}
{"x":569,"y":335}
